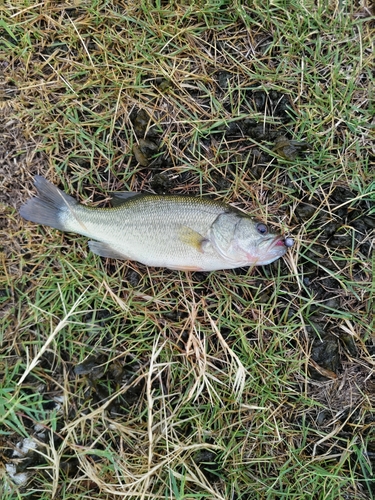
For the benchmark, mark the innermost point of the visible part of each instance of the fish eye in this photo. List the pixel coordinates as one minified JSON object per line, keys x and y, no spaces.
{"x":262,"y":228}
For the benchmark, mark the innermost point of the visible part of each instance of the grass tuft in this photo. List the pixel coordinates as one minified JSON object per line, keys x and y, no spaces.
{"x":119,"y":380}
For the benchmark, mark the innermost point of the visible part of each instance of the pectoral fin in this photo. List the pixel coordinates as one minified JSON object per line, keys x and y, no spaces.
{"x":193,"y":238}
{"x":105,"y":250}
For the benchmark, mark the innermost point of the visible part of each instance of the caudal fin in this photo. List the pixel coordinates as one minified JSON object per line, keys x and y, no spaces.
{"x":50,"y":207}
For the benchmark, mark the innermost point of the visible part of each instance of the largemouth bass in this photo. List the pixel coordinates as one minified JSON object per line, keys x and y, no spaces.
{"x":177,"y":232}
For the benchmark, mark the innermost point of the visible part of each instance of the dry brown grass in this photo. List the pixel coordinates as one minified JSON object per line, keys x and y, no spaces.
{"x":146,"y":383}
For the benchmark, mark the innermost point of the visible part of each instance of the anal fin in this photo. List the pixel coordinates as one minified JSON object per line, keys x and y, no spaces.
{"x":184,"y":268}
{"x":105,"y":250}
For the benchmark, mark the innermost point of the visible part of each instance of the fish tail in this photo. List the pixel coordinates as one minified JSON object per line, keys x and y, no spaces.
{"x":52,"y":207}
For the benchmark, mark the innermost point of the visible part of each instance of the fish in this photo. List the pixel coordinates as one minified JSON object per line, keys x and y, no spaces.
{"x":177,"y":232}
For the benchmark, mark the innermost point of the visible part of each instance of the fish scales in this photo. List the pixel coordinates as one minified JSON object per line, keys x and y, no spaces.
{"x":178,"y":232}
{"x":149,"y":228}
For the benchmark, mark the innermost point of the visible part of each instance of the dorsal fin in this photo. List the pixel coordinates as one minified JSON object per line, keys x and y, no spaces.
{"x":120,"y":197}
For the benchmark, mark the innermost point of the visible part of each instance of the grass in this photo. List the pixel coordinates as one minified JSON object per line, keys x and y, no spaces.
{"x":137,"y":382}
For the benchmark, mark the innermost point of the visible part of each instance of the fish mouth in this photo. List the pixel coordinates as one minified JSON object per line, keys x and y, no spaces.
{"x":271,"y":250}
{"x":277,"y":246}
{"x":280,"y":244}
{"x":281,"y":241}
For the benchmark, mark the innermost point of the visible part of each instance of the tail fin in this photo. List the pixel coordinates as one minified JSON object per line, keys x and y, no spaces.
{"x":50,"y":207}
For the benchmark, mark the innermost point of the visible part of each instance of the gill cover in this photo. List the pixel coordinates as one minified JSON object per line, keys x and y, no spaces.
{"x":223,"y":236}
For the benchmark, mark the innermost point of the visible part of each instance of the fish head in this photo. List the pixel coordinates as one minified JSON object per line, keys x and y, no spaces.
{"x":246,"y":241}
